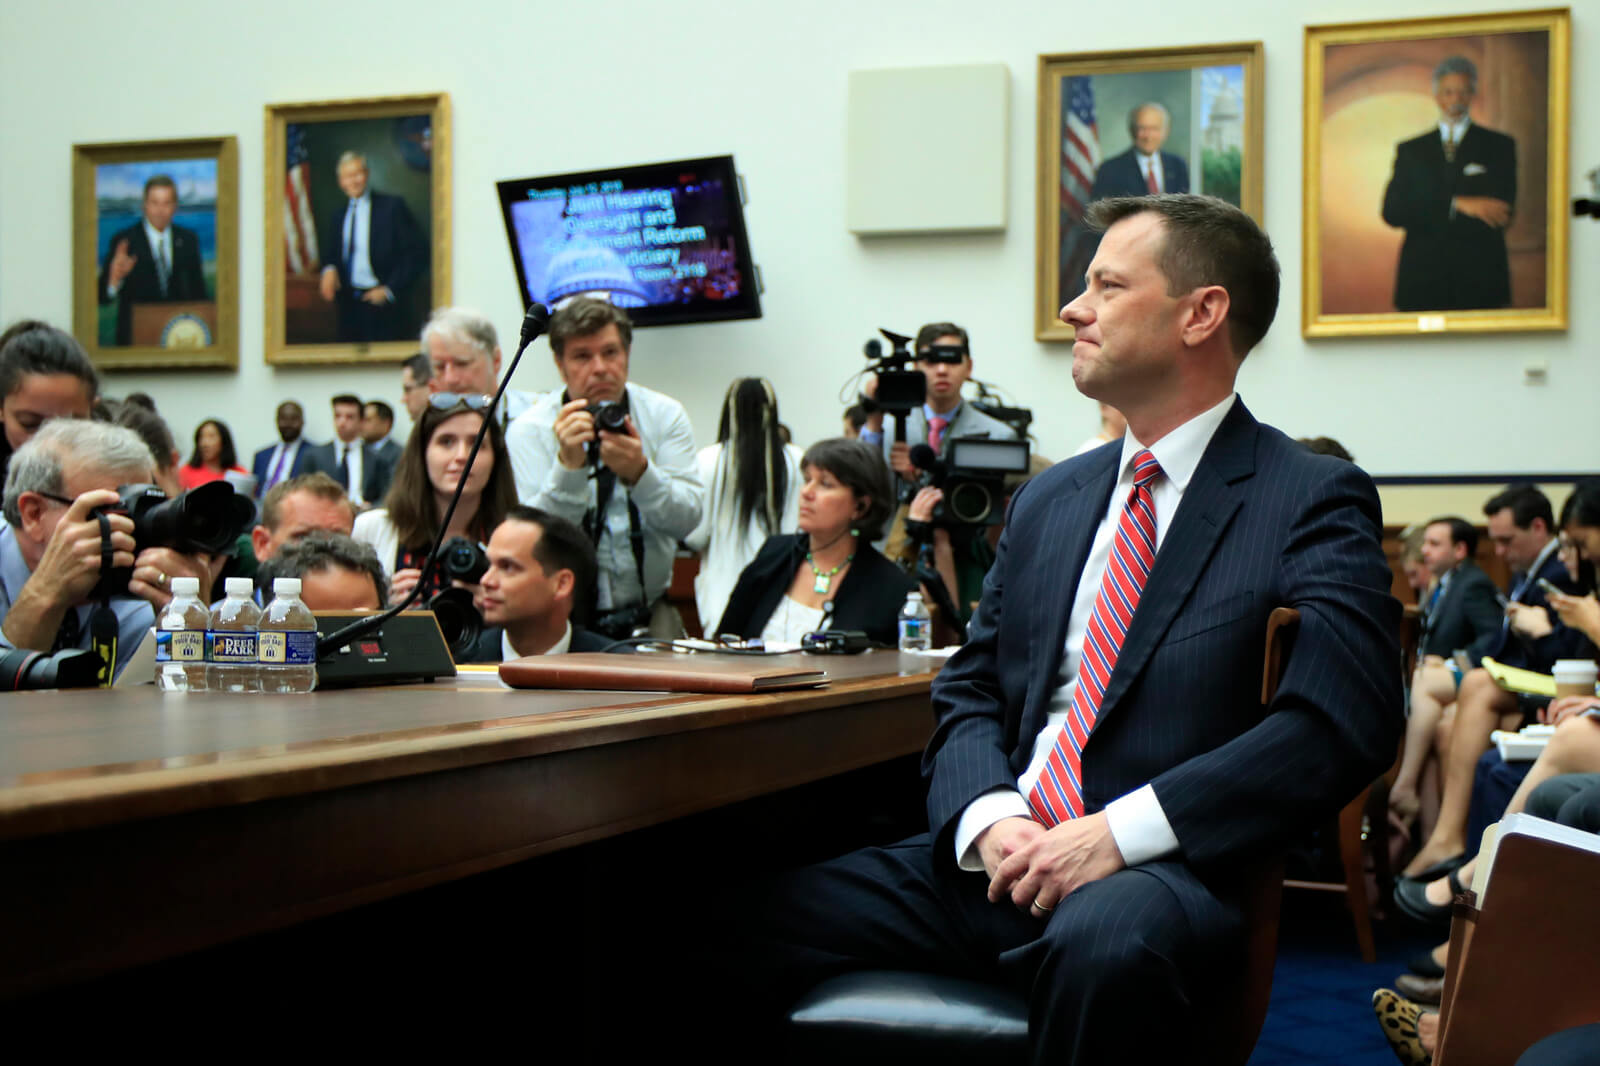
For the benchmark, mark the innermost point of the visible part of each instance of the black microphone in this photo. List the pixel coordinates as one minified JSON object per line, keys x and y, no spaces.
{"x":535,"y":322}
{"x":923,"y":457}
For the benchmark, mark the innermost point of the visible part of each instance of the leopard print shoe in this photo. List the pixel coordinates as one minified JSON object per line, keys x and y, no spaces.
{"x":1398,"y":1018}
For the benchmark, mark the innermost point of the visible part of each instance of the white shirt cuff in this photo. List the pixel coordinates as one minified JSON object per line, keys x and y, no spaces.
{"x":1140,"y":827}
{"x":980,"y":814}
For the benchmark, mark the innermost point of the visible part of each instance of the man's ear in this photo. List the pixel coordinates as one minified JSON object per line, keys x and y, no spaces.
{"x":1208,"y":312}
{"x":566,"y":584}
{"x":31,"y":507}
{"x":259,"y":536}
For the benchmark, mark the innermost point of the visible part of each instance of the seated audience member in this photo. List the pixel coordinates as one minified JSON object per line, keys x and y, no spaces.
{"x":828,"y":575}
{"x":44,"y":373}
{"x":286,"y":459}
{"x":336,"y":573}
{"x":855,"y":417}
{"x":1112,"y":427}
{"x":213,"y":457}
{"x":1521,"y":524}
{"x":541,"y":576}
{"x":433,"y":462}
{"x":157,"y":436}
{"x":365,"y":477}
{"x":944,"y":357}
{"x":1419,"y":576}
{"x":1326,"y":446}
{"x":50,"y":546}
{"x":415,"y":374}
{"x":377,"y":421}
{"x":1463,"y":612}
{"x":634,"y":490}
{"x":464,"y":355}
{"x":141,"y":399}
{"x":752,"y":482}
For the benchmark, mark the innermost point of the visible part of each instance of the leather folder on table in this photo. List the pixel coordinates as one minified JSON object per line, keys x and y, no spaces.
{"x":657,"y":673}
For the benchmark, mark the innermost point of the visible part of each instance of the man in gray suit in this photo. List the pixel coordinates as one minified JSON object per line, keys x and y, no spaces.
{"x":945,"y":358}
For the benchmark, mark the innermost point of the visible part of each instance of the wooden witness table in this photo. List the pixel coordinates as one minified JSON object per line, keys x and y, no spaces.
{"x":137,"y":825}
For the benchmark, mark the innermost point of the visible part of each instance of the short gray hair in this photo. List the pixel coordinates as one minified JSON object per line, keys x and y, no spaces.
{"x":1148,"y":105}
{"x":40,"y":464}
{"x":1457,"y":65}
{"x":464,"y":326}
{"x":352,"y":156}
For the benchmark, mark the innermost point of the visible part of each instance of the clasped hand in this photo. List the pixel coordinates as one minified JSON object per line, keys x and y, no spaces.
{"x":1037,"y":867}
{"x":70,"y":564}
{"x":622,"y":452}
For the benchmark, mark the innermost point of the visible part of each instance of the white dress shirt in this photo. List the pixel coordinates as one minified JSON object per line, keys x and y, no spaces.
{"x":668,"y":495}
{"x":508,"y":653}
{"x":1152,"y":162}
{"x":1137,"y":822}
{"x":361,"y":275}
{"x":351,"y":454}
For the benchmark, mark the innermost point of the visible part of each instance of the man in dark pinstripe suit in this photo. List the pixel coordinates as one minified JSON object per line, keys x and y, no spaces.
{"x":1113,"y":922}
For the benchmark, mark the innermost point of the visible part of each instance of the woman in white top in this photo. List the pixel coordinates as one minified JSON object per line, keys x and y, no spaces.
{"x":752,"y":484}
{"x":431,"y":465}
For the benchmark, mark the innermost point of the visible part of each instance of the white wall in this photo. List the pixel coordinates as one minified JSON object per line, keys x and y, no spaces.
{"x":541,"y":88}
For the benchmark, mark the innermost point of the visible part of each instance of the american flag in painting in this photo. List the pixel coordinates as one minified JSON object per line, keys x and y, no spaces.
{"x":299,"y":226}
{"x":1080,"y":144}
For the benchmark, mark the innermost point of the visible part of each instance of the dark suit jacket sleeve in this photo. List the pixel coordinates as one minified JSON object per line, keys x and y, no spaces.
{"x":752,"y":600}
{"x":397,"y":247}
{"x":1481,"y":610}
{"x":1336,"y":719}
{"x":188,"y":278}
{"x":1175,"y":172}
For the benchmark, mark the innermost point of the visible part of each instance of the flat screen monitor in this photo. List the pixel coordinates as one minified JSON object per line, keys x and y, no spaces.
{"x":664,"y":240}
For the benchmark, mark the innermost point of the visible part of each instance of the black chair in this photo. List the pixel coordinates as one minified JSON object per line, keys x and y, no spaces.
{"x":881,"y":1016}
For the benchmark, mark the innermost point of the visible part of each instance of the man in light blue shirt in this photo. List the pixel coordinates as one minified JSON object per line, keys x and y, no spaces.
{"x":50,"y":546}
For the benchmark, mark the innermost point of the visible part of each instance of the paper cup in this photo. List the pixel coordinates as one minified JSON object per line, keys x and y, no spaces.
{"x":1574,"y":677}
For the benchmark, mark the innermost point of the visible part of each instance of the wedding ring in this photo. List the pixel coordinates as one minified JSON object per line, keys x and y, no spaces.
{"x":1036,"y":905}
{"x":161,"y":578}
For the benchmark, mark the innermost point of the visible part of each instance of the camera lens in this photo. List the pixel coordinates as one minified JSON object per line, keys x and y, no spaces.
{"x":463,"y":560}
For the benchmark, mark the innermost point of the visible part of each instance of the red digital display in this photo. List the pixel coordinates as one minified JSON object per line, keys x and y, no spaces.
{"x":370,"y":647}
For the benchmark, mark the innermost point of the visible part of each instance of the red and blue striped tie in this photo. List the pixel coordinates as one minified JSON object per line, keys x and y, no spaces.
{"x":1058,"y":794}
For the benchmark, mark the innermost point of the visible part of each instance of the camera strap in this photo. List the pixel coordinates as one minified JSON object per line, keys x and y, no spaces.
{"x":605,"y":486}
{"x":103,"y":626}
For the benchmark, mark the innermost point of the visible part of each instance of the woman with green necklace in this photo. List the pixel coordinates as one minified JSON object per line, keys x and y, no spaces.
{"x":828,"y":575}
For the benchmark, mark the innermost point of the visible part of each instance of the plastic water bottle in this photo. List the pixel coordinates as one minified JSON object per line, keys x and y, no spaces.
{"x":287,"y":640}
{"x":916,"y":624}
{"x":231,"y":664}
{"x":181,"y":639}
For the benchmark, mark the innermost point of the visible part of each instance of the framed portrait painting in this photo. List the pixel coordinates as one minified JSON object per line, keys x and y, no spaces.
{"x":1131,"y":123}
{"x":1435,"y":175}
{"x":357,"y":227}
{"x":155,"y":240}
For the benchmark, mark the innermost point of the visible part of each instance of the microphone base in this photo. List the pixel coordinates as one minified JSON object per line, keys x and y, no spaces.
{"x":407,"y":648}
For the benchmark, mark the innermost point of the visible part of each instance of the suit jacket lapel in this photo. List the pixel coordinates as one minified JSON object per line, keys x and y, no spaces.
{"x":1069,"y":532}
{"x":1208,"y":505}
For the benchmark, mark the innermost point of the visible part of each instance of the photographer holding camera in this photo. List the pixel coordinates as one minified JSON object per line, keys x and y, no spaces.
{"x":616,"y":458}
{"x":51,"y":550}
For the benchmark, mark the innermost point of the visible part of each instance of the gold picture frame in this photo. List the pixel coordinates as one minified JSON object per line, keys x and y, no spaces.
{"x":400,"y":269}
{"x":175,"y":308}
{"x":1087,"y":106}
{"x":1405,"y":232}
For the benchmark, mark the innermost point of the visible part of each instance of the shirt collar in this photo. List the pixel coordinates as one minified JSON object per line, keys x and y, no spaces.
{"x":1145,"y":159}
{"x":155,"y":236}
{"x":1178,"y":452}
{"x":955,"y":412}
{"x":507,"y":652}
{"x":1459,"y":126}
{"x":364,"y":198}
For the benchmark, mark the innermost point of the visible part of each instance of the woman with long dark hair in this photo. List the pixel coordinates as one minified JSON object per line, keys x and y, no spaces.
{"x":752,"y":482}
{"x":213,"y":457}
{"x":44,"y":374}
{"x":430,"y":467}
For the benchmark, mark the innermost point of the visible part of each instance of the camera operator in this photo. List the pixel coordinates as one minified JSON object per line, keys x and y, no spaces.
{"x":50,"y":546}
{"x":541,"y":577}
{"x":944,"y":357}
{"x":634,"y":488}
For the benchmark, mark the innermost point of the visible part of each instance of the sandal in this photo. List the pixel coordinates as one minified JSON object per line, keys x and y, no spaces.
{"x":1397,"y":1016}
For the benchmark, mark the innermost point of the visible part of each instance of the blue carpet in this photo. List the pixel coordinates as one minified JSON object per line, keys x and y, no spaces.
{"x":1321,"y":1009}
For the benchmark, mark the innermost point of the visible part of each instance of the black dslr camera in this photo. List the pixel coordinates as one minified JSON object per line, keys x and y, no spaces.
{"x":205,"y":519}
{"x":462,"y":560}
{"x":609,"y":416}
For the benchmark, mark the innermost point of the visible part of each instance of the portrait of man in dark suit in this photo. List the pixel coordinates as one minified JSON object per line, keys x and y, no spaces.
{"x":1453,"y":192}
{"x":372,"y":252}
{"x":1145,"y":167}
{"x":151,"y":261}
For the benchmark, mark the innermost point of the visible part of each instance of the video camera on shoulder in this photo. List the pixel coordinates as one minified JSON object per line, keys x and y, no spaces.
{"x":209,"y":519}
{"x":973,"y":476}
{"x":900,"y":391}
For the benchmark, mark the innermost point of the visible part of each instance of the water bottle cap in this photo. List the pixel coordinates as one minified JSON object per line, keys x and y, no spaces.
{"x":240,"y":586}
{"x":186,"y":586}
{"x":914,"y":596}
{"x":286,"y":586}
